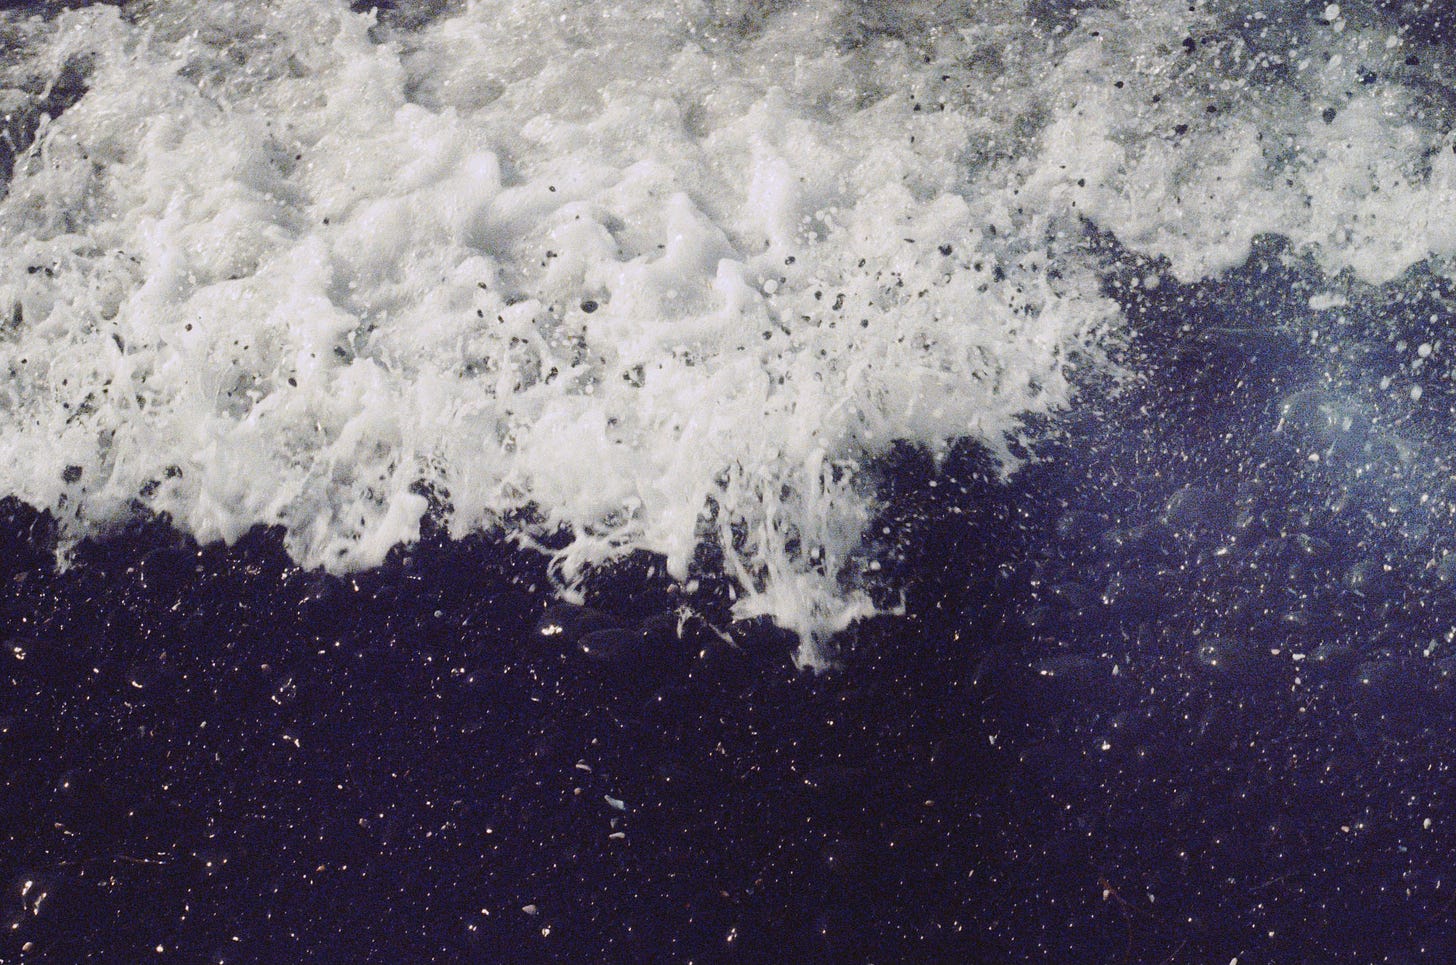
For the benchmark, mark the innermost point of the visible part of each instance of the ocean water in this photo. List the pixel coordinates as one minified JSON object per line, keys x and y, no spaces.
{"x":719,"y":481}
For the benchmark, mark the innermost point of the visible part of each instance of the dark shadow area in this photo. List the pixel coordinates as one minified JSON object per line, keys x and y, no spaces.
{"x":403,"y":14}
{"x":50,"y":8}
{"x":51,"y":97}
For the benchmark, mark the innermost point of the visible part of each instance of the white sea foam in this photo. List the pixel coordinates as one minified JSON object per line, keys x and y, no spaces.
{"x":666,"y":272}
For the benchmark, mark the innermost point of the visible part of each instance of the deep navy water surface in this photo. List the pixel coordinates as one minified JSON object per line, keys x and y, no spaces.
{"x":1177,"y":692}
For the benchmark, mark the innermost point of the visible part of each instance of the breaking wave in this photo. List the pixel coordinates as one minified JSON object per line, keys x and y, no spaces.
{"x":642,"y":276}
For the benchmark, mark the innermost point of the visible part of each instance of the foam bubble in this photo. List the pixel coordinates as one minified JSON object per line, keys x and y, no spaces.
{"x":661,"y":273}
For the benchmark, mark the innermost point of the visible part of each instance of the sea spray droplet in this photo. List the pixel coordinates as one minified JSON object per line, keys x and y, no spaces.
{"x":1074,"y":677}
{"x":563,"y":625}
{"x":322,"y":605}
{"x":166,"y":569}
{"x":1392,"y":682}
{"x":1367,"y":577}
{"x":846,"y":858}
{"x":1241,"y":659}
{"x":836,"y":931}
{"x":1444,"y":673}
{"x":1193,"y":506}
{"x":610,"y":646}
{"x":1330,"y":660}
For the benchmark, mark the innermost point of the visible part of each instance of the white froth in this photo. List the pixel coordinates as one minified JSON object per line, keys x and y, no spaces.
{"x":666,"y":273}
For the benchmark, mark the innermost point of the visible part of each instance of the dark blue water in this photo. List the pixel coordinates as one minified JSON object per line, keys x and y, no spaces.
{"x":1088,"y":739}
{"x":1176,"y":693}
